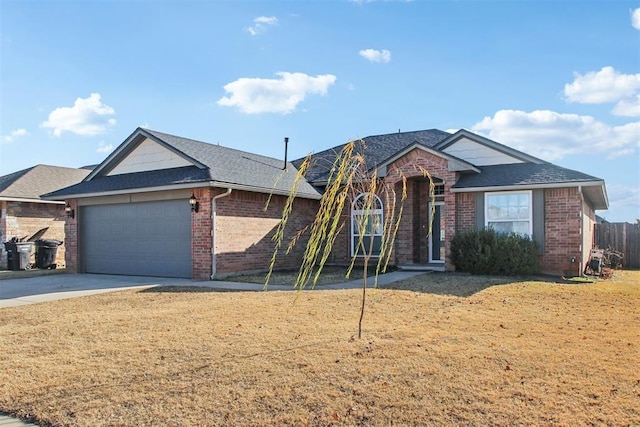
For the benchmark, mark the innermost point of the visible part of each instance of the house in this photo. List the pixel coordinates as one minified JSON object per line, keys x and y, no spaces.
{"x":169,"y":206}
{"x":23,"y":212}
{"x":132,"y":213}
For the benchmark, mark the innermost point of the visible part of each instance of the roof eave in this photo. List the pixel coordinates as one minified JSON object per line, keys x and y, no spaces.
{"x":216,"y":184}
{"x":250,"y":188}
{"x":125,"y":191}
{"x":29,"y":200}
{"x":601,"y":201}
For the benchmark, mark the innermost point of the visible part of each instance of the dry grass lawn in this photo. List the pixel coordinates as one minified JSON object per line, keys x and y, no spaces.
{"x":518,"y":353}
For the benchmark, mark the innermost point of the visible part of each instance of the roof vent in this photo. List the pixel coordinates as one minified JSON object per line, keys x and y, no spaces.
{"x":286,"y":147}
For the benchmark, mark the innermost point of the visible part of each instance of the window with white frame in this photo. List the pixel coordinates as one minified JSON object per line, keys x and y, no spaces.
{"x":367,"y":225}
{"x":509,"y":211}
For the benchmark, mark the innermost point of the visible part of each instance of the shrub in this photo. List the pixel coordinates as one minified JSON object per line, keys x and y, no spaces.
{"x":488,"y":252}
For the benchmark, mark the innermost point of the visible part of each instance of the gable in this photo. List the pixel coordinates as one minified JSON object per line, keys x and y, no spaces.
{"x":149,"y":156}
{"x":479,"y":154}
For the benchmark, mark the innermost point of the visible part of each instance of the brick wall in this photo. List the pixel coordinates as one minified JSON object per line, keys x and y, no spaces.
{"x":410,"y":166}
{"x":201,"y":236}
{"x":563,"y":232}
{"x":71,"y":242}
{"x":244,"y":230}
{"x":21,"y":219}
{"x":466,"y":212}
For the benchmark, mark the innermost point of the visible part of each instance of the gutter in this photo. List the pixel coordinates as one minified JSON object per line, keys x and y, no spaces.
{"x":214,"y":213}
{"x":527,"y":186}
{"x":200,"y":184}
{"x":26,"y":200}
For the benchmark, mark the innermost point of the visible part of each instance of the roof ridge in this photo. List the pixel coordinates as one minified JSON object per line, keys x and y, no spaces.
{"x":217,"y":146}
{"x":404,"y":132}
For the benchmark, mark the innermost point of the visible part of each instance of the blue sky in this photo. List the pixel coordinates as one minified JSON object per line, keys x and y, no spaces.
{"x":557,"y":79}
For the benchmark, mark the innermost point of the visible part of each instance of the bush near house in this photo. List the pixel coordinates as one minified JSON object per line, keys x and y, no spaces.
{"x":489,"y":252}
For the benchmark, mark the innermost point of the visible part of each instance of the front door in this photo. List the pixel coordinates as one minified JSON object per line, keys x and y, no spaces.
{"x":437,"y":236}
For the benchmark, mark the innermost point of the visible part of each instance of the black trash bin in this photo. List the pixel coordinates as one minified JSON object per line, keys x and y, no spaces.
{"x":46,"y":251}
{"x":18,"y":255}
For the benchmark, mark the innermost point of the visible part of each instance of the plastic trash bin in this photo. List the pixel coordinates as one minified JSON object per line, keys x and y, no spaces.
{"x":46,"y":251}
{"x":19,"y":255}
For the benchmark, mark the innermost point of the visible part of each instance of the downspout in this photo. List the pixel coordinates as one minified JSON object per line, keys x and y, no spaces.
{"x":214,"y":214}
{"x":582,"y":255}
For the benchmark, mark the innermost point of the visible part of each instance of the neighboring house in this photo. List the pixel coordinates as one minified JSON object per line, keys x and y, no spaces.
{"x":132,"y":213}
{"x":23,"y":212}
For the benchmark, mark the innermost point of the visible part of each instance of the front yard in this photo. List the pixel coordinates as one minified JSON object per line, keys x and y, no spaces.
{"x":516,"y":353}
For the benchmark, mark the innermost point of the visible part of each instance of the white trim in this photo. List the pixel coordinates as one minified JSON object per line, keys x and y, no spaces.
{"x":18,"y":199}
{"x":355,"y":212}
{"x":431,"y":260}
{"x":498,"y":188}
{"x":214,"y":184}
{"x":529,"y":194}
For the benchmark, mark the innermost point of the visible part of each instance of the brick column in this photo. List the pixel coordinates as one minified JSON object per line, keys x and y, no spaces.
{"x":71,"y":239}
{"x":201,"y":236}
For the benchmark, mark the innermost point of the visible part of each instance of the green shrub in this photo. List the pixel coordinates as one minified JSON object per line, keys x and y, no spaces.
{"x":488,"y":252}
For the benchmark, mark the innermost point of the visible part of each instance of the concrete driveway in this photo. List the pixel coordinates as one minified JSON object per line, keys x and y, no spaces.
{"x":30,"y":290}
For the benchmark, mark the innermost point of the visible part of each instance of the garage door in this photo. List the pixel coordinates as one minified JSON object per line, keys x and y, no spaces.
{"x":142,"y":239}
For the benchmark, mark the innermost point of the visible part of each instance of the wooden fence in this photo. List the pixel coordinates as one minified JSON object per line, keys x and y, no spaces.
{"x":622,"y":237}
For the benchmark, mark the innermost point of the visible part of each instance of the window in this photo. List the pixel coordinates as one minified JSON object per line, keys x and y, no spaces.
{"x":367,"y":221}
{"x":508,"y":212}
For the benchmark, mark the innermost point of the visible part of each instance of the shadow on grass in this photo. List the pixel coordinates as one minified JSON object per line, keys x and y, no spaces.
{"x":459,"y":284}
{"x":446,"y":283}
{"x":437,"y":283}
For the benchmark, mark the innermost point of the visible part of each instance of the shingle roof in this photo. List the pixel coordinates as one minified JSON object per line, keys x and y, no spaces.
{"x":212,"y":163}
{"x":38,"y":180}
{"x":378,"y":148}
{"x":130,"y":181}
{"x":521,"y":174}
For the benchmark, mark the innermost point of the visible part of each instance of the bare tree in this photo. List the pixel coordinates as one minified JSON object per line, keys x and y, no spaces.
{"x":351,"y":183}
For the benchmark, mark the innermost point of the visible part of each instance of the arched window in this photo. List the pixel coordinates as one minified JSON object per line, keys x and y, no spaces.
{"x":367,"y":225}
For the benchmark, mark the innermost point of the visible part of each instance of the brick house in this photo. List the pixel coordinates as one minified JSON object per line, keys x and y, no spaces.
{"x":133,"y":214}
{"x":23,"y":212}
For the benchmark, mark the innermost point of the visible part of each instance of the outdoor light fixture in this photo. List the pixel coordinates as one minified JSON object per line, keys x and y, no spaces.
{"x":193,"y":202}
{"x":69,"y":211}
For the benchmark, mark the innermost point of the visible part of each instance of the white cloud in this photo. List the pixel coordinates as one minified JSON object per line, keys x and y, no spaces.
{"x":255,"y":95}
{"x":635,"y":18}
{"x":551,"y":135}
{"x":605,"y":86}
{"x":103,"y":147}
{"x":88,"y":116}
{"x":629,"y":107}
{"x":261,"y":24}
{"x":14,"y":134}
{"x":623,"y":197}
{"x":374,"y":55}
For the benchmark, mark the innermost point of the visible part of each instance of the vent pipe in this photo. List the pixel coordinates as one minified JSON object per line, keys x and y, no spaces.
{"x":286,"y":148}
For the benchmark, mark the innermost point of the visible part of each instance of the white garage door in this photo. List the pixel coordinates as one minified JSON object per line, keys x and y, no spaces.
{"x":141,"y":239}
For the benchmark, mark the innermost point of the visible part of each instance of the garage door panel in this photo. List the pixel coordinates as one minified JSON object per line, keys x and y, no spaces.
{"x":149,"y":239}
